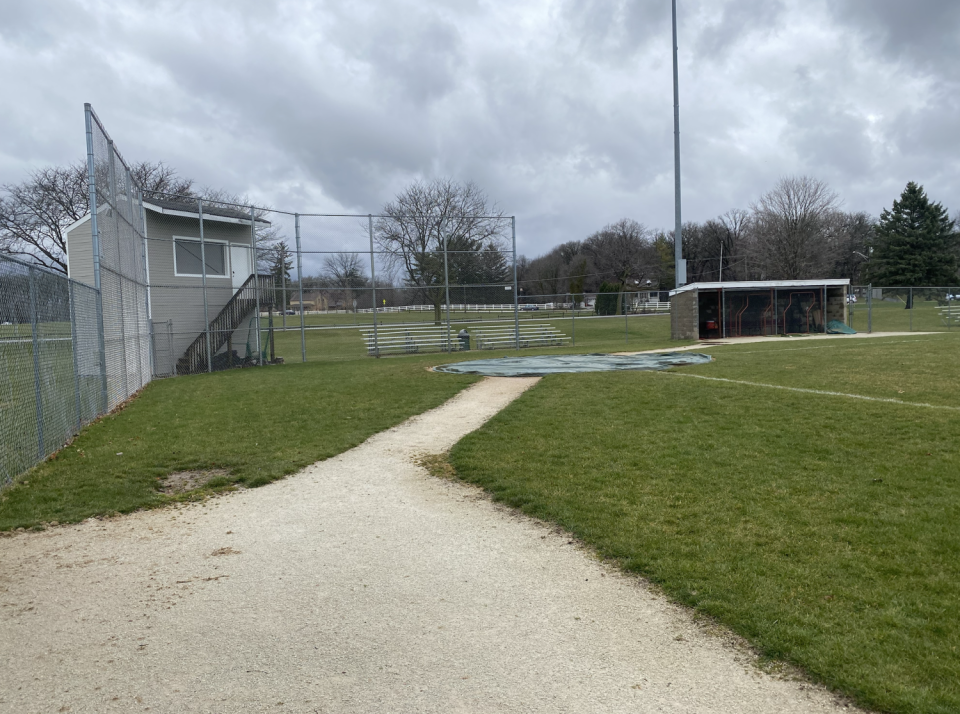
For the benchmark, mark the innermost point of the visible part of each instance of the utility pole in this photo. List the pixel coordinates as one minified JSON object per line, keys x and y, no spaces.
{"x":681,"y":266}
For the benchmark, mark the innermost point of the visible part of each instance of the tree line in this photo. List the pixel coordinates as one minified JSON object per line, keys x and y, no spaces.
{"x":441,"y":231}
{"x":797,"y":230}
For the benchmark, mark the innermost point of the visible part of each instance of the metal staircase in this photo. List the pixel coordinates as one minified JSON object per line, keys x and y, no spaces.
{"x":221,"y":328}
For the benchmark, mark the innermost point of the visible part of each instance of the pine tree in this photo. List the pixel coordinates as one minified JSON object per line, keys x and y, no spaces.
{"x":281,"y":263}
{"x":915,"y":243}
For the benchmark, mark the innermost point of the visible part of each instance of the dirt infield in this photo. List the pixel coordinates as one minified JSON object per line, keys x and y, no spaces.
{"x":361,"y":584}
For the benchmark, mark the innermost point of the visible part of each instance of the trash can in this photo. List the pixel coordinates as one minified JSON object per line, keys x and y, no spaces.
{"x":464,"y":338}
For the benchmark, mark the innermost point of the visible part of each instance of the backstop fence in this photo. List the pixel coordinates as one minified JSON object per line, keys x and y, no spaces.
{"x":119,"y":271}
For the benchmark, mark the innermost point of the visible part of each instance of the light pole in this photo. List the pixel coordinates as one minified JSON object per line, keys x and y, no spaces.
{"x":681,"y":266}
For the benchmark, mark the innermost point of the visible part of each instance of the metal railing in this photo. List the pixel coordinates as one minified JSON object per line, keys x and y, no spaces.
{"x":200,"y":356}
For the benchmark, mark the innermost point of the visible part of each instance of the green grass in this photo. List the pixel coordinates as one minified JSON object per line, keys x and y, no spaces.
{"x":821,"y":528}
{"x":258,"y":424}
{"x":921,"y":368}
{"x":891,"y":316}
{"x":346,"y":319}
{"x":593,"y":334}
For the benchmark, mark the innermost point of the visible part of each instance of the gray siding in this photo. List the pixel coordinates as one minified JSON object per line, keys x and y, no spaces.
{"x":80,"y":254}
{"x":177,"y":302}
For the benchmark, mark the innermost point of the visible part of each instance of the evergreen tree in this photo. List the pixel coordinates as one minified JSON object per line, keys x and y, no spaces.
{"x":915,"y":243}
{"x":281,"y":263}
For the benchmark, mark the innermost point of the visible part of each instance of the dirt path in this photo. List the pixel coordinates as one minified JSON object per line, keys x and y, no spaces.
{"x":359,"y":585}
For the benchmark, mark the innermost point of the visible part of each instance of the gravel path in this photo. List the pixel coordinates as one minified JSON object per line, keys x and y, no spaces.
{"x":359,"y":585}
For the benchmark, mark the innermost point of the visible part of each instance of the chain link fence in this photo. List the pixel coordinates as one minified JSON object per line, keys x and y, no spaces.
{"x":119,"y":266}
{"x":50,"y":376}
{"x":903,"y":309}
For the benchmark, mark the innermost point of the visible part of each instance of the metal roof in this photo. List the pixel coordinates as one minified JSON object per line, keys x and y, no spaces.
{"x":762,"y":284}
{"x":190,"y":208}
{"x":187,"y":210}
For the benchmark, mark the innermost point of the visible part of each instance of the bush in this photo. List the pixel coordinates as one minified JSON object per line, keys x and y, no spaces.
{"x":607,"y":298}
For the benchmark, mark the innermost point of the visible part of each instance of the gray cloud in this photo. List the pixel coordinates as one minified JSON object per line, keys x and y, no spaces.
{"x":560,"y":109}
{"x":927,"y":32}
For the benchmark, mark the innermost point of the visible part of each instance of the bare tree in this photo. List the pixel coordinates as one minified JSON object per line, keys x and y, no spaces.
{"x":159,"y":180}
{"x":429,"y":217}
{"x":713,"y":248}
{"x":35,"y":214}
{"x":548,"y":273}
{"x":623,"y":253}
{"x":344,"y":273}
{"x":851,"y":236}
{"x":791,"y":226}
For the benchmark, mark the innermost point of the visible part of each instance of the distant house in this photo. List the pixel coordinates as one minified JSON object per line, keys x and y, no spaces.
{"x":182,"y":297}
{"x":312,"y":301}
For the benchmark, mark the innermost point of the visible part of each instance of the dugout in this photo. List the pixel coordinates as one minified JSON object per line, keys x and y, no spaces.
{"x":705,"y":311}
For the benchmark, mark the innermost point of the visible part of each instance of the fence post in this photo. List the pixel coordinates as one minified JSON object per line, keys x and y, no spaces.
{"x":869,"y":308}
{"x":516,"y":296}
{"x":373,"y":285}
{"x":203,"y":283}
{"x":303,"y":329}
{"x":128,"y":182}
{"x":911,"y":309}
{"x":949,"y":311}
{"x":146,"y":290}
{"x":170,"y":355}
{"x":36,"y":361}
{"x":626,"y":330}
{"x":95,"y":236}
{"x":121,"y":313}
{"x":573,"y":319}
{"x":76,"y":346}
{"x":256,"y":281}
{"x":446,"y":286}
{"x":823,"y":310}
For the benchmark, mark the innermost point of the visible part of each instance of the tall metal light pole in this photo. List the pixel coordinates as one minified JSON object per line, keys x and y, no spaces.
{"x":680,"y":264}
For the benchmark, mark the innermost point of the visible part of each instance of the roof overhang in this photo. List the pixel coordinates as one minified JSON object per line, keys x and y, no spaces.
{"x":762,"y":285}
{"x":153,"y":208}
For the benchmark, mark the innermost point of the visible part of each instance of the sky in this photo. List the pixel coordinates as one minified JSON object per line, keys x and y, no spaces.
{"x":560,"y":110}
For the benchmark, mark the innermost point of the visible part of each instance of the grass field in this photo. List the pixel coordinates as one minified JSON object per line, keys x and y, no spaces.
{"x":257,"y":424}
{"x":891,"y":316}
{"x":592,"y":334}
{"x":821,"y":528}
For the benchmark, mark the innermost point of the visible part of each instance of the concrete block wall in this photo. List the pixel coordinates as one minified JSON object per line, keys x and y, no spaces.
{"x":684,"y":316}
{"x":837,"y":304}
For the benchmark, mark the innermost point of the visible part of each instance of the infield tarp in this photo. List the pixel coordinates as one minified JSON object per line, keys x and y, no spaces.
{"x":535,"y":366}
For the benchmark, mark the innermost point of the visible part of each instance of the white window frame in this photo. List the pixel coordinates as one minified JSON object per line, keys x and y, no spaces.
{"x":226,"y":258}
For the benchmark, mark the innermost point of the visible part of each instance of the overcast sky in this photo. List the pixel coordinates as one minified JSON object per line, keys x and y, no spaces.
{"x":561,"y":110}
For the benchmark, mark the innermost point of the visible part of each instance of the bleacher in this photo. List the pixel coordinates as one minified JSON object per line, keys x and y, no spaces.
{"x":410,"y":340}
{"x":413,"y":339}
{"x":504,"y":336}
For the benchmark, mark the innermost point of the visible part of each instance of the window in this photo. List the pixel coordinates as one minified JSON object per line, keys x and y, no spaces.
{"x":187,"y":251}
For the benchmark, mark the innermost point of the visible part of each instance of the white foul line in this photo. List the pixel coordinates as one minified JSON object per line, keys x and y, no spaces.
{"x":888,"y":400}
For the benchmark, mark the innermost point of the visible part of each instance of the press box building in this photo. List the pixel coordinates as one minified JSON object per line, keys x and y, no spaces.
{"x":181,"y":296}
